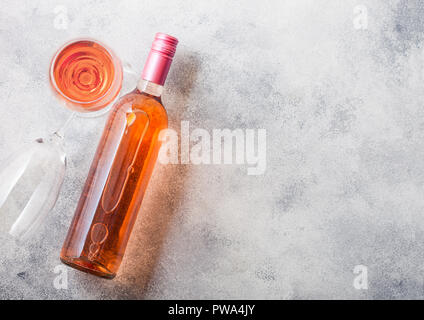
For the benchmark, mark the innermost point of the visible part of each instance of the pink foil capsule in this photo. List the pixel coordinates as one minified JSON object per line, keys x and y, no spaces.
{"x":160,"y":58}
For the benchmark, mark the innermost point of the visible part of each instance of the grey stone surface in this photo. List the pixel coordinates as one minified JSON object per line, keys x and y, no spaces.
{"x":343,"y":110}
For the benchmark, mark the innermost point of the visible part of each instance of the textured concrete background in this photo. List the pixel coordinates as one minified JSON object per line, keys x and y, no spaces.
{"x":343,"y":110}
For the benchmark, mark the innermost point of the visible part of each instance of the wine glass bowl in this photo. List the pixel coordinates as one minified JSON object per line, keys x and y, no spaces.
{"x":86,"y":75}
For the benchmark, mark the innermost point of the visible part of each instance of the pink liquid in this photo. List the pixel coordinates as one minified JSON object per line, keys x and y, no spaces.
{"x":86,"y":75}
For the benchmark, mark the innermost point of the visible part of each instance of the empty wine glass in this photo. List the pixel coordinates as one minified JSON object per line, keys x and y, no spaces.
{"x":87,"y":76}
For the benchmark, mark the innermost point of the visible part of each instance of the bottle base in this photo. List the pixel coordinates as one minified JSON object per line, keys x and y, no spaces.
{"x":85,"y":265}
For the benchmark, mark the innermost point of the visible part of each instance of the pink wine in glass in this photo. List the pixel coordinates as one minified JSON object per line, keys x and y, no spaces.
{"x":121,"y":170}
{"x":86,"y":74}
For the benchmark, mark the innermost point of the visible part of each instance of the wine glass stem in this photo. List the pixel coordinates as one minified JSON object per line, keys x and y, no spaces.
{"x":61,"y":132}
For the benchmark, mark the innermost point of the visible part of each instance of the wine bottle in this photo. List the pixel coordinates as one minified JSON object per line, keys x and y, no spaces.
{"x":121,"y":169}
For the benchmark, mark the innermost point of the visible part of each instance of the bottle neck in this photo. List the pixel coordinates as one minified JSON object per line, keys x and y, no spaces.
{"x":149,"y":87}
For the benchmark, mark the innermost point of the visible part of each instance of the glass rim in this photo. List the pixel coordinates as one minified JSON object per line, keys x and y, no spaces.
{"x":117,"y":63}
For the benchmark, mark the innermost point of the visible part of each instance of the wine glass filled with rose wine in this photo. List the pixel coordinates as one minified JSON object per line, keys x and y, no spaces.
{"x":87,"y":77}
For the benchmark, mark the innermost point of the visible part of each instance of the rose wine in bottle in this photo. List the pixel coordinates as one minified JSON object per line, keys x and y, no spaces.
{"x":120,"y":171}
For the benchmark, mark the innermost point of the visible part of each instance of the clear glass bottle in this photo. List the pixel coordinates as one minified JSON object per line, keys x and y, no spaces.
{"x":120,"y":171}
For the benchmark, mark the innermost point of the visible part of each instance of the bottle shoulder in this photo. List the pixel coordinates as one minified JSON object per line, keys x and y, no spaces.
{"x":138,"y":101}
